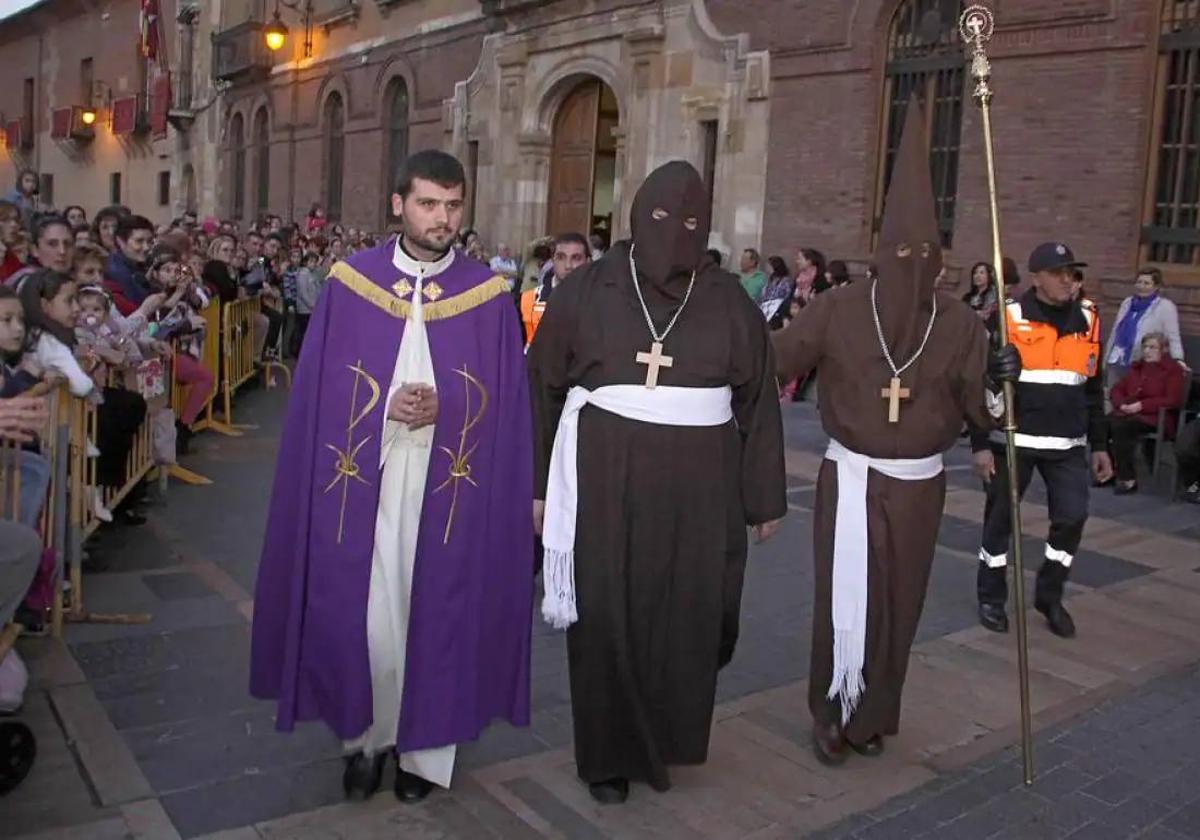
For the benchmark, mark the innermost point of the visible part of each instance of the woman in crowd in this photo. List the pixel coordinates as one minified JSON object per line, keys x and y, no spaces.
{"x":1145,"y":311}
{"x":981,"y":295}
{"x":53,"y":247}
{"x":10,"y":228}
{"x":810,"y":271}
{"x":1154,"y":382}
{"x":837,"y":274}
{"x":76,"y":216}
{"x":315,"y":222}
{"x":219,"y":272}
{"x":104,"y":228}
{"x":780,"y":284}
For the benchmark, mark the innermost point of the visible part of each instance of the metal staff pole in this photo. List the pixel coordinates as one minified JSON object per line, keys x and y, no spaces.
{"x":976,"y":27}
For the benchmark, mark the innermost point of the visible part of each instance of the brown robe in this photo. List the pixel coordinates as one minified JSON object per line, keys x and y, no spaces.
{"x":835,"y":335}
{"x":660,"y":549}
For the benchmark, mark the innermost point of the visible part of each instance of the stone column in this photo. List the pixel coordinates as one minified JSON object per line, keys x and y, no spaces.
{"x":533,"y":189}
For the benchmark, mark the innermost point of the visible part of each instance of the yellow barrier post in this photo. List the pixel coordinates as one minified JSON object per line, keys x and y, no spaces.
{"x":82,"y":426}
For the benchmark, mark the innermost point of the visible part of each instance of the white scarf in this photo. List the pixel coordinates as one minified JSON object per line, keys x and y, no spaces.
{"x":664,"y":405}
{"x":850,"y":562}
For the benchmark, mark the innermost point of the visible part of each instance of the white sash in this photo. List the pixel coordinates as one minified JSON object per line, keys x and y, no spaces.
{"x":666,"y":406}
{"x":850,"y":562}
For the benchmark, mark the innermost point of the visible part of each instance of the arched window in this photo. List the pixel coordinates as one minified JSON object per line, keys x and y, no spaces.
{"x":925,"y":58}
{"x":237,"y":171}
{"x":262,"y":163}
{"x":1172,"y":226}
{"x":335,"y":150}
{"x":397,"y":137}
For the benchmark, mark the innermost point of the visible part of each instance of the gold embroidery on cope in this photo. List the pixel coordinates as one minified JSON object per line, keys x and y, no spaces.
{"x":432,"y":290}
{"x":346,"y":468}
{"x":437,"y":310}
{"x":460,"y":461}
{"x":402,"y":287}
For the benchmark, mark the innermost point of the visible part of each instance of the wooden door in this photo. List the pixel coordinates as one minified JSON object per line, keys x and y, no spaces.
{"x":573,"y":161}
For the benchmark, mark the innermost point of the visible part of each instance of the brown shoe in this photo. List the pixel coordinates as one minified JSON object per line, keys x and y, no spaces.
{"x":871,"y":748}
{"x":829,"y":744}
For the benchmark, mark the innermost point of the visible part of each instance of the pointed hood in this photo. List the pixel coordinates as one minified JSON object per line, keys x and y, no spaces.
{"x":670,"y":222}
{"x":908,"y":257}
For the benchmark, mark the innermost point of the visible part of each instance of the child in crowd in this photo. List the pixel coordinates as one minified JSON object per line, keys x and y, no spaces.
{"x":49,"y":301}
{"x":16,"y":378}
{"x":178,"y":320}
{"x":309,"y":281}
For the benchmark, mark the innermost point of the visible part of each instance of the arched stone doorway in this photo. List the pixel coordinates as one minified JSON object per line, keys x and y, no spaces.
{"x":583,"y":161}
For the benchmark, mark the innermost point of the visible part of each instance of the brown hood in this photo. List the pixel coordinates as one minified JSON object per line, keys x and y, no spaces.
{"x":909,"y":254}
{"x":670,"y":223}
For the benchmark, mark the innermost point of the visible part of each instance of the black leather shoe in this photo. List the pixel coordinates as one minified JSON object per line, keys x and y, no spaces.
{"x":610,"y":792}
{"x":362,"y":776}
{"x":871,"y":748}
{"x":829,"y":744}
{"x":993,"y":617}
{"x":411,"y":787}
{"x":1060,"y":621}
{"x":1125,"y":489}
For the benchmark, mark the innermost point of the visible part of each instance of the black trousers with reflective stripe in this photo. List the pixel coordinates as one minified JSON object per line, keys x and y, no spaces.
{"x":1067,"y":477}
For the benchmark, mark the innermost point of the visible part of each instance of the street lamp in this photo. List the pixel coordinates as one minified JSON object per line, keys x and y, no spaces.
{"x":275,"y":34}
{"x":88,"y":116}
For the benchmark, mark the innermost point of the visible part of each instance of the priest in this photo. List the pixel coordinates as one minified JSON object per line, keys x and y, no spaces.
{"x":394,"y":594}
{"x":659,"y":440}
{"x":901,"y":366}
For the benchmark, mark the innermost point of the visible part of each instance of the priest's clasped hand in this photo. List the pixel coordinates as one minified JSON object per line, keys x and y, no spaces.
{"x":415,"y":404}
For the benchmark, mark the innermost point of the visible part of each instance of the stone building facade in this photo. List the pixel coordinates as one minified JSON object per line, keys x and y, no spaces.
{"x":59,"y":58}
{"x":789,"y":108}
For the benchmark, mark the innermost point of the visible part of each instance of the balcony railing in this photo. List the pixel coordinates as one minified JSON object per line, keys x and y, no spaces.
{"x":240,"y":53}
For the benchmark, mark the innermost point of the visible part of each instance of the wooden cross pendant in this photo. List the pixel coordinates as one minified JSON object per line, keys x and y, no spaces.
{"x":893,"y":393}
{"x":655,"y":360}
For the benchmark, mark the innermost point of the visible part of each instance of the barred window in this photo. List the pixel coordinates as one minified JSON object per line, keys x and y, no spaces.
{"x":397,"y":138}
{"x":237,"y":169}
{"x":925,"y":58}
{"x":262,"y":162}
{"x":1172,"y":226}
{"x":335,"y":147}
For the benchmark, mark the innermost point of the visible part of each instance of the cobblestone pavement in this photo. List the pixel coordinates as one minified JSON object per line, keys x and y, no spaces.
{"x":148,"y":731}
{"x":1127,"y":768}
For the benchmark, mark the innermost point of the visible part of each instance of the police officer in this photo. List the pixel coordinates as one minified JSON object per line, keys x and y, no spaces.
{"x":1059,"y":413}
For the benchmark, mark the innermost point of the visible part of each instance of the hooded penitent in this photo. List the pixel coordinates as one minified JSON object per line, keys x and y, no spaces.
{"x":909,"y":254}
{"x":670,"y":221}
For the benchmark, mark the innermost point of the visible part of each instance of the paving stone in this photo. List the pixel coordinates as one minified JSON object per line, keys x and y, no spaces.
{"x":177,"y":586}
{"x":254,"y":798}
{"x":1186,"y":821}
{"x":1114,"y":788}
{"x":562,"y":818}
{"x":1126,"y":820}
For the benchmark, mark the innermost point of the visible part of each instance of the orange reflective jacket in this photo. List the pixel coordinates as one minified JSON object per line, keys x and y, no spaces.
{"x":1048,"y":358}
{"x":531,"y":313}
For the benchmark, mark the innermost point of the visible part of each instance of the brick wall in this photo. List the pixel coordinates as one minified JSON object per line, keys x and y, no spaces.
{"x":1074,"y":82}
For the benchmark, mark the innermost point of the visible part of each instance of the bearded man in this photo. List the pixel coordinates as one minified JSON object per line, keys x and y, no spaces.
{"x":394,"y":594}
{"x":659,"y":441}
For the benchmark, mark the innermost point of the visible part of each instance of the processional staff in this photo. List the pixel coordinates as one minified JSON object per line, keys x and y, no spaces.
{"x":976,"y":27}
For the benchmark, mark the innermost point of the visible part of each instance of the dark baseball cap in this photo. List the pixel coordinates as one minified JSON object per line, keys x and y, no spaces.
{"x":1051,"y":256}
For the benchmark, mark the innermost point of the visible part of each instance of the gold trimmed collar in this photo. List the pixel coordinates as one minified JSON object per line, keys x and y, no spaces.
{"x":434,"y":311}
